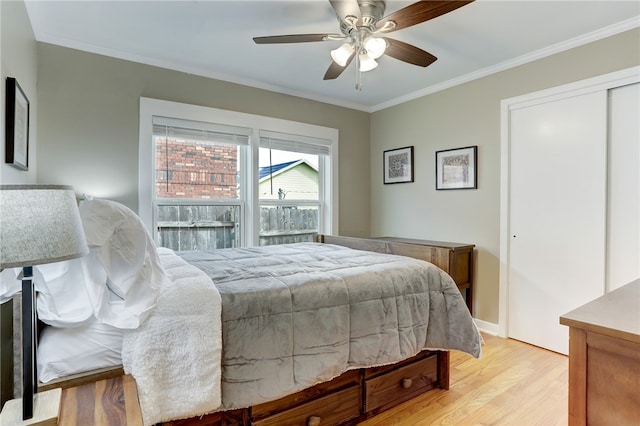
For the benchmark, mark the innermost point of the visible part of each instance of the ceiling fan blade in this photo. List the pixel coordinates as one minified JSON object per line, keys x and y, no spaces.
{"x":296,"y":38}
{"x":335,"y":70}
{"x":344,"y":8}
{"x":417,"y":13}
{"x":408,"y":53}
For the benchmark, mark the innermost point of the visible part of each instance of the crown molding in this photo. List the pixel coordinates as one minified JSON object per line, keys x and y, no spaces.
{"x":520,"y":60}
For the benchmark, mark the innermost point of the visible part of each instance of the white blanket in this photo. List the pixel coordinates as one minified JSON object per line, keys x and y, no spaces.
{"x":175,"y":355}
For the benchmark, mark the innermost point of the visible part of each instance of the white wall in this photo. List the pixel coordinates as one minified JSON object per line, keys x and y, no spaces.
{"x":19,"y":60}
{"x":623,"y":214}
{"x":469,"y":114}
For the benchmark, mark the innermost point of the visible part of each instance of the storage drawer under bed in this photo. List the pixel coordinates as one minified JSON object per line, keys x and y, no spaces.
{"x":333,"y":409}
{"x":387,"y":389}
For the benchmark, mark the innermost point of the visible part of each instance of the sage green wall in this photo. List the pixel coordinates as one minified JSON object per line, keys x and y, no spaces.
{"x":18,"y":60}
{"x":469,"y":114}
{"x":88,"y":124}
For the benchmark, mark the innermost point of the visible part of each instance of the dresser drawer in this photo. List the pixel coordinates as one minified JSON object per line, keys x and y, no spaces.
{"x":399,"y":385}
{"x":332,"y":409}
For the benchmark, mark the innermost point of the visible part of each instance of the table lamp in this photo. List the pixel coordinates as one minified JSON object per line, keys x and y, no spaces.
{"x":38,"y":224}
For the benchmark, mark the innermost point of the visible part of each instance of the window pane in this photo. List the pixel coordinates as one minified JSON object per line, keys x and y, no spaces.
{"x":288,"y":175}
{"x":283,"y":224}
{"x":196,"y":169}
{"x":198,"y":227}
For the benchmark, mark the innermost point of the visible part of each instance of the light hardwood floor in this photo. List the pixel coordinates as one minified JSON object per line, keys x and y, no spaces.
{"x":512,"y":384}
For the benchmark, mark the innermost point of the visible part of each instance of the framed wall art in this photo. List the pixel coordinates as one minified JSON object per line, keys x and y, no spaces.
{"x":457,"y":168}
{"x":17,"y":126}
{"x":398,"y":165}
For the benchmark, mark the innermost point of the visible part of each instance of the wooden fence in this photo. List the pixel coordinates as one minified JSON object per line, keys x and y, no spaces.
{"x":194,"y":227}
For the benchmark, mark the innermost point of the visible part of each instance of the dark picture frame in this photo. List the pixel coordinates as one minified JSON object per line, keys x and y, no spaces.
{"x":17,"y":126}
{"x":398,"y":165}
{"x":457,"y":168}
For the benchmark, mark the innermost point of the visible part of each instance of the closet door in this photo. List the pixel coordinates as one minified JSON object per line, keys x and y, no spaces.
{"x":557,"y":214}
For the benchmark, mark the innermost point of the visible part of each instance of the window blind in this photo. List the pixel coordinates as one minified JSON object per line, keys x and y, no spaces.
{"x":294,"y":143}
{"x":198,"y":130}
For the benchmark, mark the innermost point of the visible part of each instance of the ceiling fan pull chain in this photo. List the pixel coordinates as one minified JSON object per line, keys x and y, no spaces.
{"x":358,"y":72}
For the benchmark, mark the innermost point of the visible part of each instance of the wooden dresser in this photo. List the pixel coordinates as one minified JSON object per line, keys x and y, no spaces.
{"x":453,"y":258}
{"x":604,"y":359}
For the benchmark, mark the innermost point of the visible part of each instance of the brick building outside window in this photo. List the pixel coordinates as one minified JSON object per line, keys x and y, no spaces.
{"x":196,"y":169}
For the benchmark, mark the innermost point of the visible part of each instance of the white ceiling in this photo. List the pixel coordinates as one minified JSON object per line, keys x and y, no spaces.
{"x":214,"y":39}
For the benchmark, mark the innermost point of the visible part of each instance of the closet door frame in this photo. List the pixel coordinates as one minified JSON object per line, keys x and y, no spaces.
{"x":604,"y":82}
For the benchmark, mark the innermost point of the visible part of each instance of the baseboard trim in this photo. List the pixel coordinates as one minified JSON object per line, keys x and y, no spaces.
{"x":487,"y":327}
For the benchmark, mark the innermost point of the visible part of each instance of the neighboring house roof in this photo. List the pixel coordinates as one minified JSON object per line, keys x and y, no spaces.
{"x":275,"y":169}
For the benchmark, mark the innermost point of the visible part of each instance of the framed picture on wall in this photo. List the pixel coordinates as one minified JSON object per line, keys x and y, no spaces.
{"x":17,"y":126}
{"x":457,"y":168}
{"x":398,"y":165}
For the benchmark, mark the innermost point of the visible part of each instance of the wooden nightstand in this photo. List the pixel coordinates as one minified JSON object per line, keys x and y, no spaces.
{"x":106,"y":402}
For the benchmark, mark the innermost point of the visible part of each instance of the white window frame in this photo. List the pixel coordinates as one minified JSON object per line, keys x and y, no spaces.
{"x":250,"y":203}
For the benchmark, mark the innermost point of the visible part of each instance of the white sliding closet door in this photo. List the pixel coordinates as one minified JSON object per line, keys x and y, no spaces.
{"x":557,"y":214}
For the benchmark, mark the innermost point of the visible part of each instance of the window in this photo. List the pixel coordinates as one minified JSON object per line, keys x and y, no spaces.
{"x":212,"y":178}
{"x":197,"y":161}
{"x":290,"y":187}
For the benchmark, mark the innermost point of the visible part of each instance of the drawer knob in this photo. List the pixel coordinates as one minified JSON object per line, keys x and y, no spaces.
{"x":314,"y":421}
{"x":406,"y":383}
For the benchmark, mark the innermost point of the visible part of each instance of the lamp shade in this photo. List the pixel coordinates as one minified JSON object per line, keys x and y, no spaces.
{"x":342,"y":54}
{"x":39,"y":224}
{"x":375,"y":47}
{"x":367,"y":63}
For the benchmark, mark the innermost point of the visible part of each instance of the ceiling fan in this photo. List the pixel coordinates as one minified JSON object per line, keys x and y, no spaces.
{"x":364,"y":27}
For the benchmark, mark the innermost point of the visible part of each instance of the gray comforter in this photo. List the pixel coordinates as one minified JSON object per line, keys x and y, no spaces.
{"x":299,"y":314}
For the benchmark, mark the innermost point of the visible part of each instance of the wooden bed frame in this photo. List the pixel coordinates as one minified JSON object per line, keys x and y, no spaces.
{"x":346,"y":400}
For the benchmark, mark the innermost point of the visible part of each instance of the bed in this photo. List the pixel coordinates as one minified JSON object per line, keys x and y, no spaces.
{"x":308,"y":332}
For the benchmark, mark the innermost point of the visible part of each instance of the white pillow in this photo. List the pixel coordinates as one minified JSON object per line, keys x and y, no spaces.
{"x":62,"y":298}
{"x":10,"y":283}
{"x":122,"y":250}
{"x":65,"y":351}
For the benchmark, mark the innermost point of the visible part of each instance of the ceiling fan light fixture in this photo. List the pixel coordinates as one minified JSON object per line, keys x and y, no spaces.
{"x":367,"y":63}
{"x":342,"y":54}
{"x":375,"y":47}
{"x":364,"y":29}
